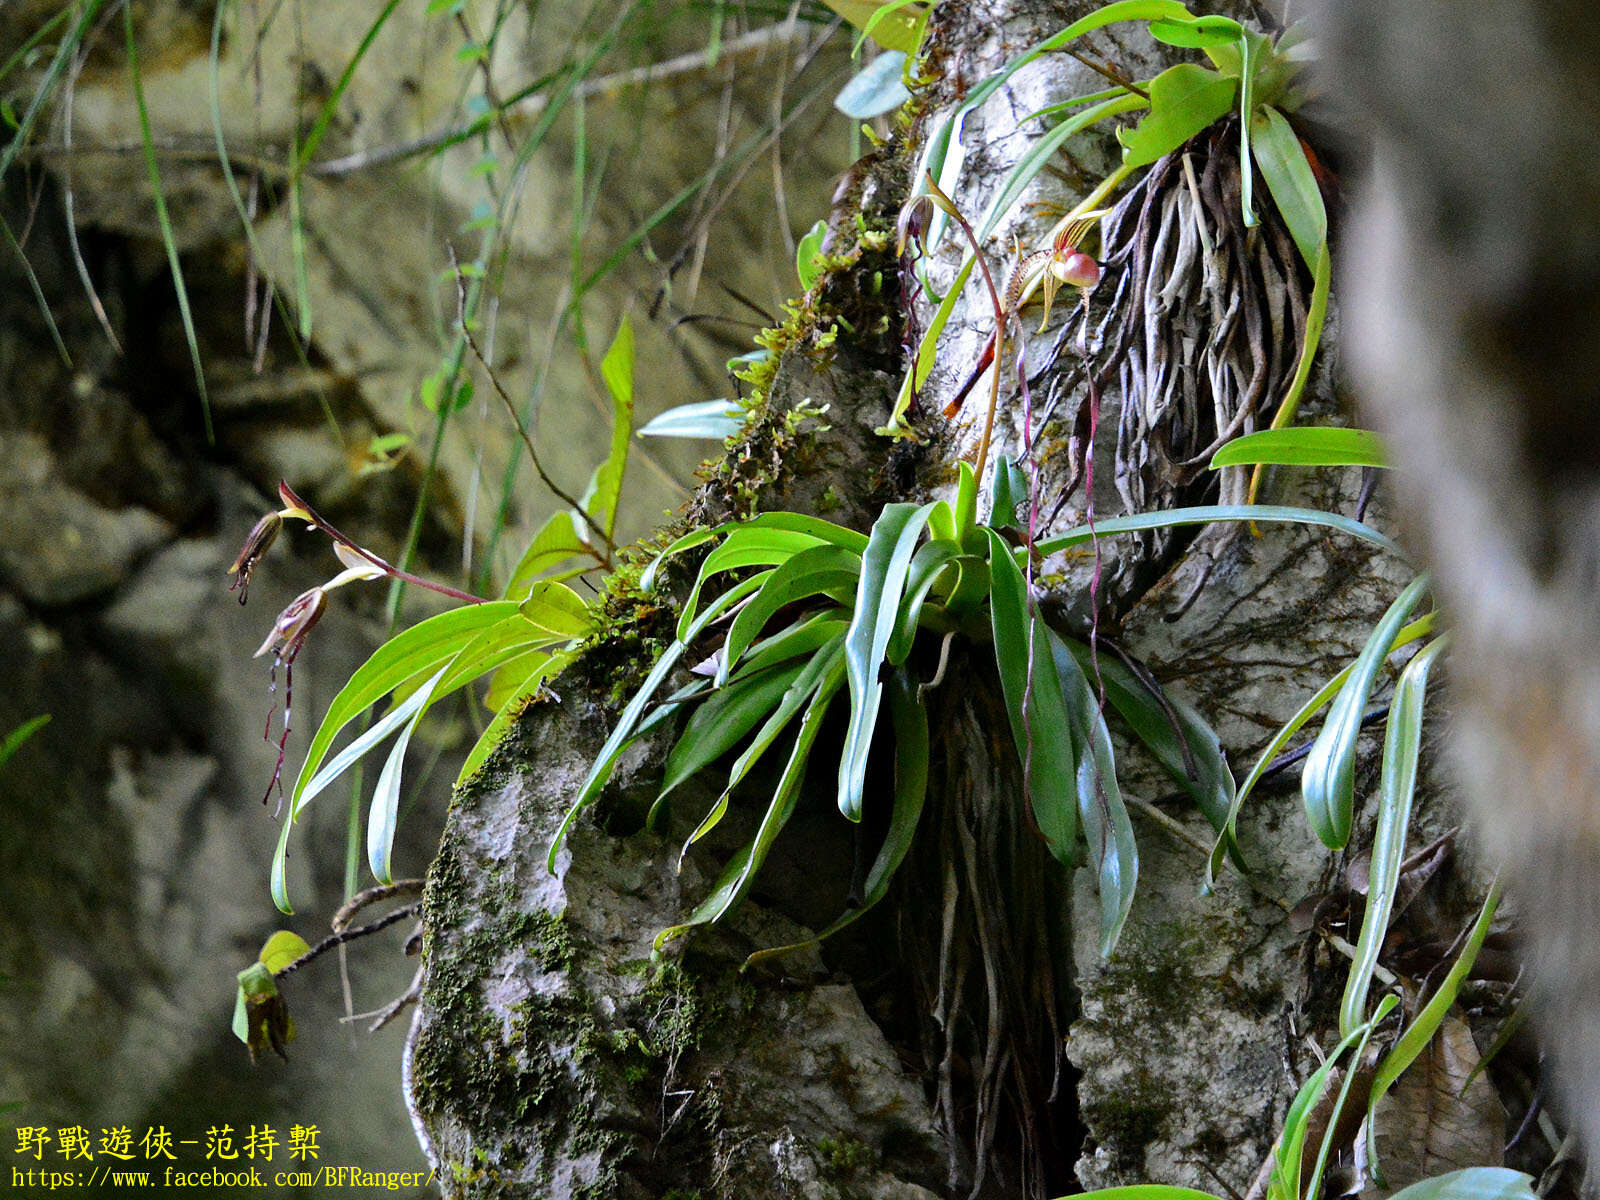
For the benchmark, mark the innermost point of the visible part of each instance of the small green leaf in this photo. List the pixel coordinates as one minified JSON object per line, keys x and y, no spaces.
{"x":557,"y":610}
{"x":805,"y":255}
{"x":1009,"y":489}
{"x":884,"y":568}
{"x":1250,"y":47}
{"x":600,"y":499}
{"x":281,"y":949}
{"x":871,"y":92}
{"x":1327,"y":781}
{"x":927,"y":350}
{"x":1183,"y":100}
{"x":1306,"y":446}
{"x":712,"y":419}
{"x":966,"y":510}
{"x":1402,"y":747}
{"x":895,"y":31}
{"x":1289,"y":178}
{"x":13,"y":740}
{"x":1197,"y":33}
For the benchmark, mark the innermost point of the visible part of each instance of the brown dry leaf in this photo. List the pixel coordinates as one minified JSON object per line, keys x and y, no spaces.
{"x":1426,"y":1126}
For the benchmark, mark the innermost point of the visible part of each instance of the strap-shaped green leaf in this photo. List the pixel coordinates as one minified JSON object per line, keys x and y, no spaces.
{"x":821,"y":667}
{"x":719,"y":722}
{"x":815,"y":673}
{"x":928,"y":567}
{"x":712,"y":419}
{"x":1307,"y":446}
{"x":822,"y":570}
{"x":528,"y":674}
{"x":1205,"y":514}
{"x":800,"y":639}
{"x":303,"y":795}
{"x":1402,"y":748}
{"x":1178,"y":737}
{"x":1042,"y":734}
{"x":1472,"y":1183}
{"x":1328,"y":779}
{"x":1106,"y":828}
{"x":631,"y":722}
{"x":1289,"y":1153}
{"x":884,"y":568}
{"x":1197,"y":33}
{"x":1319,"y":700}
{"x":911,"y":741}
{"x":1420,"y":1032}
{"x":605,"y":488}
{"x":384,"y":812}
{"x":1143,"y":1191}
{"x":743,"y":547}
{"x":736,"y":877}
{"x":554,"y":544}
{"x":427,"y":644}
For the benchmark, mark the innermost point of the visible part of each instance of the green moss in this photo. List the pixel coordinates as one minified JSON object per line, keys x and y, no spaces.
{"x":845,"y":1156}
{"x":1128,"y":1120}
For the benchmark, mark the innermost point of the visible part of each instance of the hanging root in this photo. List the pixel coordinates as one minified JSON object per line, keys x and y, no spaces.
{"x":1204,"y":326}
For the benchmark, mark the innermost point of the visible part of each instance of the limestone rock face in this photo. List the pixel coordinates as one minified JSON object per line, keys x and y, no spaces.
{"x":552,"y":1056}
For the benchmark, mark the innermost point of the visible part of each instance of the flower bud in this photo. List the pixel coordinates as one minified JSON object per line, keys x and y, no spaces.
{"x":256,"y":545}
{"x":1077,"y":269}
